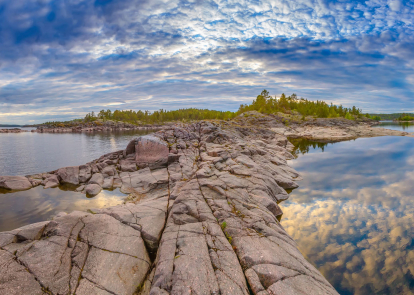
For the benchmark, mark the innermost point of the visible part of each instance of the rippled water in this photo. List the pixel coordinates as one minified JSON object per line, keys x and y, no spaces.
{"x":353,"y":214}
{"x":29,"y":152}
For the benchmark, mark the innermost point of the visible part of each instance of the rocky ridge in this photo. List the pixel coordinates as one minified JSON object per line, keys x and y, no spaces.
{"x":201,"y":218}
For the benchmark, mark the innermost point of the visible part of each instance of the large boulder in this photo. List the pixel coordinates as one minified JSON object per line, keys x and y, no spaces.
{"x":17,"y":183}
{"x":69,"y":175}
{"x":151,"y":151}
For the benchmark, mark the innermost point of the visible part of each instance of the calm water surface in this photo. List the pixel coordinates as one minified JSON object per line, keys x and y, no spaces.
{"x":29,"y":153}
{"x":353,"y":214}
{"x":37,"y":204}
{"x":401,"y":126}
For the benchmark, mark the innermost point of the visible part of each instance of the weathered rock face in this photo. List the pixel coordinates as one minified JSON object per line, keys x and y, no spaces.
{"x":151,"y":151}
{"x":78,"y":253}
{"x":201,"y":218}
{"x":69,"y":175}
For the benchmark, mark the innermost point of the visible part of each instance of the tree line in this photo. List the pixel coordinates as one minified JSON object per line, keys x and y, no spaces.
{"x":263,"y":103}
{"x":394,"y":116}
{"x":405,"y":117}
{"x":161,"y":116}
{"x":267,"y":104}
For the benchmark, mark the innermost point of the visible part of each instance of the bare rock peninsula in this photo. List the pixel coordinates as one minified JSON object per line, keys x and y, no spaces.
{"x":202,"y":217}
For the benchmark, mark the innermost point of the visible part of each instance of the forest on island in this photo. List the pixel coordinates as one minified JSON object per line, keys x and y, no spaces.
{"x":394,"y":116}
{"x":405,"y":117}
{"x":267,"y":104}
{"x":146,"y":117}
{"x":263,"y":103}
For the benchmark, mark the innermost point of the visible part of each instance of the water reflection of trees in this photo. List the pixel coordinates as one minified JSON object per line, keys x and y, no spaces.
{"x":303,"y":146}
{"x":404,"y":125}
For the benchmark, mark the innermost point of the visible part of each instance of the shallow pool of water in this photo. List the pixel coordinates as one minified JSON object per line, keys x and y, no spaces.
{"x":352,"y":215}
{"x":29,"y":152}
{"x":38,"y":204}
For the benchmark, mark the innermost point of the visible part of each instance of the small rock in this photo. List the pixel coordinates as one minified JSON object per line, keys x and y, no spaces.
{"x":97,"y":178}
{"x":85,"y":173}
{"x":51,"y":181}
{"x":93,"y":189}
{"x":109,"y":171}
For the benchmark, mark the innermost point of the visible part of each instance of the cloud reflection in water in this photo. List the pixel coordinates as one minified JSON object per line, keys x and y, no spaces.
{"x":21,"y":208}
{"x":352,"y":214}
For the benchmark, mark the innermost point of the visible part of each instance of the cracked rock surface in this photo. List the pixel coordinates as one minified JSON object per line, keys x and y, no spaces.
{"x":201,"y":218}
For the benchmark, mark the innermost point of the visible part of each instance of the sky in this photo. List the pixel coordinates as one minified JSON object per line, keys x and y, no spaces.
{"x":60,"y":59}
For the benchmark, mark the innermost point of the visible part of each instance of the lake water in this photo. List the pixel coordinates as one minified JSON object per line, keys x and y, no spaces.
{"x":401,"y":126}
{"x":353,"y":214}
{"x":31,"y":152}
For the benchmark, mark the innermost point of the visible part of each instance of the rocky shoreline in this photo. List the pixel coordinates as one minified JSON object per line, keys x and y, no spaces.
{"x":13,"y":130}
{"x":202,"y":216}
{"x":97,"y":126}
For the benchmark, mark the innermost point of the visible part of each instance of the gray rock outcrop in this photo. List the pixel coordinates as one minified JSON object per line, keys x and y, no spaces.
{"x":201,"y":218}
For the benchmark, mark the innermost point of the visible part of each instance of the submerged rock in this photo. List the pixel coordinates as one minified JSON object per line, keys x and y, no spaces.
{"x":93,"y":189}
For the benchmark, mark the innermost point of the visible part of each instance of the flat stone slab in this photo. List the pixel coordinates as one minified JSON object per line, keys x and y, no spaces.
{"x":92,"y":252}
